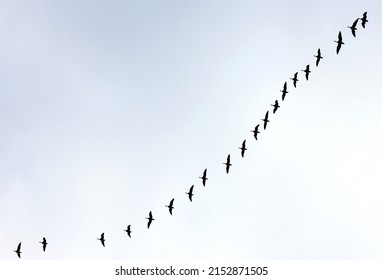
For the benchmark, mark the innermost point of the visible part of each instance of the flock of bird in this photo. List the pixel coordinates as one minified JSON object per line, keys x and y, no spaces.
{"x":243,"y":148}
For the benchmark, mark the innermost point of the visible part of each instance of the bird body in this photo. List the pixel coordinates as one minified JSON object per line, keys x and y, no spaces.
{"x":353,"y":27}
{"x":170,"y":206}
{"x":228,"y":163}
{"x":256,"y":131}
{"x":44,"y":243}
{"x":318,"y":56}
{"x":275,"y":106}
{"x":339,"y":42}
{"x":204,"y":177}
{"x":18,"y":250}
{"x":151,"y":219}
{"x":128,"y":230}
{"x":243,"y":148}
{"x":266,"y":121}
{"x":294,"y":79}
{"x":190,"y":194}
{"x":307,"y":71}
{"x":102,"y":239}
{"x":364,"y":19}
{"x":284,"y":91}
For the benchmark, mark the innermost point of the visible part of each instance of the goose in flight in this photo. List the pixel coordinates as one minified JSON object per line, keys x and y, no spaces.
{"x":128,"y":230}
{"x":364,"y":19}
{"x":256,"y":131}
{"x":353,"y":28}
{"x":243,"y":148}
{"x":318,"y":56}
{"x":266,"y":121}
{"x":170,"y":206}
{"x":17,"y":251}
{"x":275,"y":106}
{"x":102,"y":239}
{"x":204,"y":177}
{"x":190,"y":194}
{"x":228,"y":163}
{"x":284,"y":91}
{"x":44,"y":243}
{"x":151,"y":219}
{"x":294,"y":79}
{"x":307,"y":71}
{"x":339,"y":42}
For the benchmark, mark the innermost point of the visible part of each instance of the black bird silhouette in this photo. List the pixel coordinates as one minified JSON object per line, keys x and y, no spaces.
{"x":256,"y":131}
{"x":294,"y":79}
{"x":18,"y":252}
{"x":353,"y":28}
{"x":318,"y":56}
{"x":44,"y":243}
{"x":275,"y":106}
{"x":265,"y":120}
{"x":243,"y":148}
{"x":284,"y":91}
{"x":339,"y":42}
{"x":170,"y":206}
{"x":190,"y":194}
{"x":228,"y":163}
{"x":102,"y":239}
{"x":151,"y":219}
{"x":204,"y":177}
{"x":307,"y":71}
{"x":364,"y":19}
{"x":128,"y":230}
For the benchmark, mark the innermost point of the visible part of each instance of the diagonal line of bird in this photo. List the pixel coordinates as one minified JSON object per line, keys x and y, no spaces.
{"x":243,"y":148}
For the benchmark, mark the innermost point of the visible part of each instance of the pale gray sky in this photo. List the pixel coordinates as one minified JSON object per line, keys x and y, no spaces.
{"x":109,"y":109}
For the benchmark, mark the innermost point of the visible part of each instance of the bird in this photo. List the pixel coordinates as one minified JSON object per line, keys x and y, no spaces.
{"x":128,"y":230}
{"x":339,"y":42}
{"x":318,"y":56}
{"x":364,"y":19}
{"x":228,"y":163}
{"x":294,"y":79}
{"x":275,"y":106}
{"x":44,"y":243}
{"x":170,"y":206}
{"x":190,"y":194}
{"x":204,"y":177}
{"x":243,"y":148}
{"x":151,"y":219}
{"x":256,"y":131}
{"x":307,"y":71}
{"x":353,"y":27}
{"x":17,"y":251}
{"x":284,"y":91}
{"x":265,"y":120}
{"x":102,"y":239}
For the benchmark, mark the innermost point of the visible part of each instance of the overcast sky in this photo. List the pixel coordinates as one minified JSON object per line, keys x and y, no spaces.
{"x":109,"y":109}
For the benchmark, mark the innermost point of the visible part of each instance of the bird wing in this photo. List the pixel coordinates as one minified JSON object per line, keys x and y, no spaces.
{"x":150,"y":215}
{"x":19,"y":247}
{"x":171,"y":202}
{"x":340,"y":37}
{"x":191,"y":189}
{"x":355,"y":23}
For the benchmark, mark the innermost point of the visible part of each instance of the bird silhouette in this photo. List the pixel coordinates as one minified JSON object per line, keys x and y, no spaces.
{"x":128,"y":230}
{"x":353,"y":27}
{"x":364,"y":19}
{"x":243,"y":148}
{"x":190,"y":194}
{"x":17,"y":251}
{"x":151,"y":219}
{"x":256,"y":131}
{"x":318,"y":56}
{"x":204,"y":177}
{"x":170,"y":206}
{"x":102,"y":239}
{"x":275,"y":106}
{"x":265,"y":120}
{"x":339,"y":42}
{"x":44,"y":243}
{"x":294,"y":79}
{"x":228,"y":163}
{"x":284,"y":91}
{"x":307,"y":71}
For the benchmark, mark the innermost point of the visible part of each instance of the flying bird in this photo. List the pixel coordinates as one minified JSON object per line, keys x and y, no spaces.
{"x":256,"y":131}
{"x":44,"y":243}
{"x":228,"y":163}
{"x":284,"y":91}
{"x":190,"y":194}
{"x":275,"y":106}
{"x":318,"y":56}
{"x":102,"y":239}
{"x":170,"y":206}
{"x":204,"y":177}
{"x":265,"y":120}
{"x":307,"y":71}
{"x":339,"y":42}
{"x":151,"y":219}
{"x":128,"y":230}
{"x":364,"y":19}
{"x":243,"y":148}
{"x":294,"y":79}
{"x":18,"y":252}
{"x":353,"y":28}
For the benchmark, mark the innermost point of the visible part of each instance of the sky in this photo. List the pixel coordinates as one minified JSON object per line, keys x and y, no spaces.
{"x":109,"y":109}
